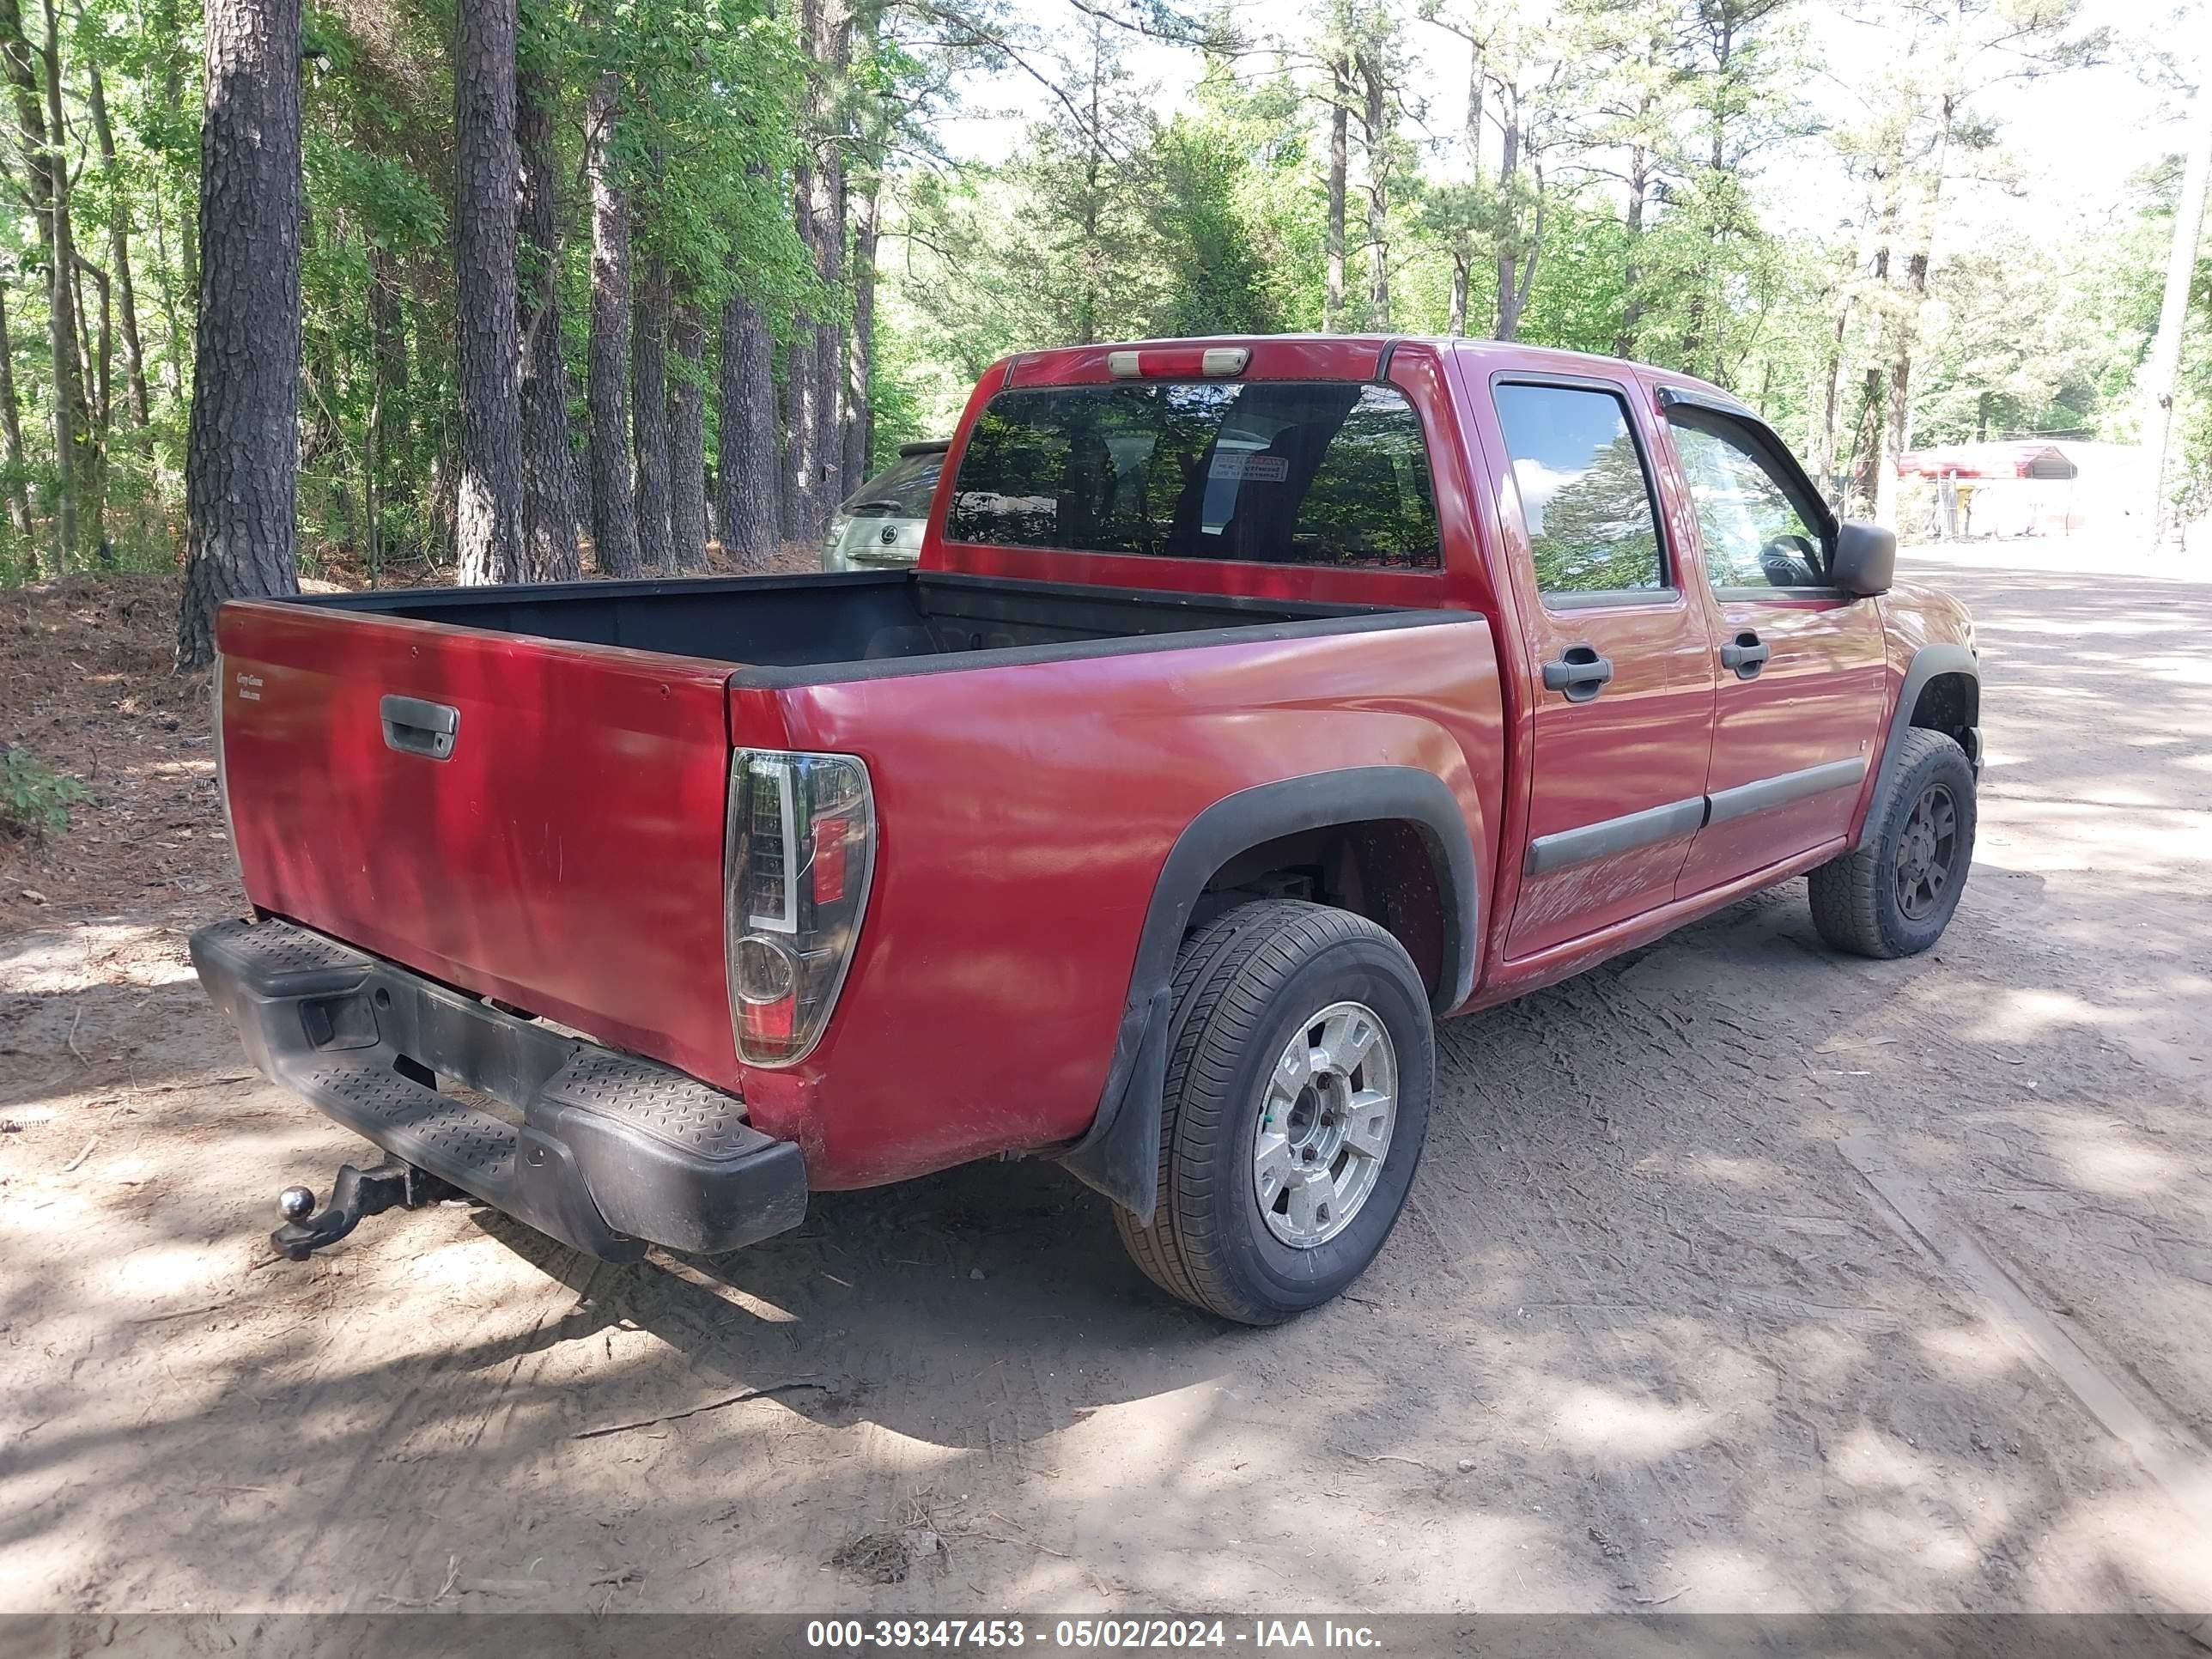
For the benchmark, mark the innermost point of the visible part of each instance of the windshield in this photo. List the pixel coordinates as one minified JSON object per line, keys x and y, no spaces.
{"x":901,"y":490}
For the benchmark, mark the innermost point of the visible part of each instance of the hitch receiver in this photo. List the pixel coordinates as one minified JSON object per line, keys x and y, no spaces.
{"x":354,"y":1193}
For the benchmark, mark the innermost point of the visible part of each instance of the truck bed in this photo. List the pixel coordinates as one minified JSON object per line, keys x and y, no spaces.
{"x":522,"y":792}
{"x":821,"y":620}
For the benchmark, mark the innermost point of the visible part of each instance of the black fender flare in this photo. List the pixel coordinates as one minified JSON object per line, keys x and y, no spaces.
{"x":1945,"y":657}
{"x":1120,"y":1154}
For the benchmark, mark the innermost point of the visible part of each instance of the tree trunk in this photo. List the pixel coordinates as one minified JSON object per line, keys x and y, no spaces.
{"x":173,"y":365}
{"x":802,"y":383}
{"x":648,"y":392}
{"x":614,"y":505}
{"x":687,"y":436}
{"x":1477,"y":48}
{"x":391,"y":437}
{"x":829,"y":262}
{"x":1456,"y":325}
{"x":802,"y":388}
{"x":1510,"y":300}
{"x":817,"y":445}
{"x":1339,"y":125}
{"x":859,"y":396}
{"x":241,"y":453}
{"x":88,"y":456}
{"x":1898,"y":433}
{"x":1907,"y":333}
{"x":40,"y":174}
{"x":1829,"y":393}
{"x":97,"y":347}
{"x":11,"y":426}
{"x":1375,"y":141}
{"x":1866,"y":445}
{"x":489,"y":512}
{"x":170,"y":25}
{"x":745,"y":453}
{"x":549,"y":473}
{"x":2161,"y":372}
{"x":1628,"y":335}
{"x":118,"y":243}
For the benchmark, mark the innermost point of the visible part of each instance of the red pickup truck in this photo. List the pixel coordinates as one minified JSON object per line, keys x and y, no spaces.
{"x":1255,"y":703}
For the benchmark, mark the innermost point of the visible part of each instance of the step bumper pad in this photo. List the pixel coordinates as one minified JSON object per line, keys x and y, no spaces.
{"x":602,"y":1150}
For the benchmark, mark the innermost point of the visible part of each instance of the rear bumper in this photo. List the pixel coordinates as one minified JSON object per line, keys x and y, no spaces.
{"x":602,"y":1151}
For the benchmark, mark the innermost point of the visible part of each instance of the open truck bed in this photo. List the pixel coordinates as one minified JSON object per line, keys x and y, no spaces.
{"x":524,"y":794}
{"x":833,"y":625}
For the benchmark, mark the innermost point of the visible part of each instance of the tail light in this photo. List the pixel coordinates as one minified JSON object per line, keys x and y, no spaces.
{"x":801,"y":850}
{"x":222,"y":774}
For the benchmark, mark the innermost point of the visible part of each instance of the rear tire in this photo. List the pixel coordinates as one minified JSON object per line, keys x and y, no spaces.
{"x":1300,"y":1063}
{"x":1894,"y":894}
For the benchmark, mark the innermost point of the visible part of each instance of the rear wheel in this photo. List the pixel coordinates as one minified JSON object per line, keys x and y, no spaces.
{"x":1894,"y":894}
{"x":1300,"y":1068}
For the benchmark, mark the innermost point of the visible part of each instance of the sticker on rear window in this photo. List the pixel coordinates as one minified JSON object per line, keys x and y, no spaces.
{"x":1259,"y":469}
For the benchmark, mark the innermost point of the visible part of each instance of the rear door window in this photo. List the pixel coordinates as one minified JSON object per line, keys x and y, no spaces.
{"x":1279,"y":472}
{"x":1585,"y":495}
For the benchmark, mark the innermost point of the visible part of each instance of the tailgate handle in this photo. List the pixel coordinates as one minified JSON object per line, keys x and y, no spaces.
{"x":415,"y":726}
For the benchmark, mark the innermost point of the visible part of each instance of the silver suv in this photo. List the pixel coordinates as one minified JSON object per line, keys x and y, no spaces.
{"x":879,"y":525}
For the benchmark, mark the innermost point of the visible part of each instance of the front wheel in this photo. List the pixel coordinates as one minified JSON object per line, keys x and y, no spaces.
{"x":1300,"y":1068}
{"x":1894,"y":894}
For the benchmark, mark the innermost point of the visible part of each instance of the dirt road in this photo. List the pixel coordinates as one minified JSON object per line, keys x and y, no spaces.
{"x":1737,"y":1277}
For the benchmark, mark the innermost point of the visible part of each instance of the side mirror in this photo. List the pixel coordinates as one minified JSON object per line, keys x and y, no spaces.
{"x":1866,"y":559}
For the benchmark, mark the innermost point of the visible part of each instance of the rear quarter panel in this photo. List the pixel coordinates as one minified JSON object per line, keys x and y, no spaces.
{"x":1026,"y":811}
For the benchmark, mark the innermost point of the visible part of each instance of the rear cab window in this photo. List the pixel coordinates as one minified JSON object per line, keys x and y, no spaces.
{"x":1318,"y":472}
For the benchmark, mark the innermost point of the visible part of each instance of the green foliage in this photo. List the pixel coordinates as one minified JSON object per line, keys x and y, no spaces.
{"x":34,"y":798}
{"x":903,"y":411}
{"x":1213,"y":268}
{"x":1113,"y":216}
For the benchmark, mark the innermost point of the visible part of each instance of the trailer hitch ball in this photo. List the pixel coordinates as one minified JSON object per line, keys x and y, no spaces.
{"x":355,"y":1194}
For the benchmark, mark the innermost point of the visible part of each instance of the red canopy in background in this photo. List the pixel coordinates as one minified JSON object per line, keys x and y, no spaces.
{"x":2002,"y":460}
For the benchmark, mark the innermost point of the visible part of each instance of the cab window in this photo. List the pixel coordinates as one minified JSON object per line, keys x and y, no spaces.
{"x":1281,"y":472}
{"x":1755,"y":529}
{"x":1585,"y":495}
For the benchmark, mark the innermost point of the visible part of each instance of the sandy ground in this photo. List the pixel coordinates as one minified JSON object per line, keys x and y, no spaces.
{"x":1737,"y":1277}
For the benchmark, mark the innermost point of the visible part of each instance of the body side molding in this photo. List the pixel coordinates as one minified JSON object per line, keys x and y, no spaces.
{"x":1780,"y":790}
{"x":1120,"y":1156}
{"x":1610,"y":837}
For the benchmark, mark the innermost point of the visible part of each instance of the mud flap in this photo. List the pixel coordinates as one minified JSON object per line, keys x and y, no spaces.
{"x":1121,"y":1155}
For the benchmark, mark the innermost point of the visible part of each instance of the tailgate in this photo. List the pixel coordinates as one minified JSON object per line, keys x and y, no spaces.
{"x":564,"y":854}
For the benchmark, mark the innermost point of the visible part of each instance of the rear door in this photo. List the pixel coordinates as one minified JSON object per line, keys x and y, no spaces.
{"x":533,"y":820}
{"x":1799,"y":666}
{"x":1624,"y":698}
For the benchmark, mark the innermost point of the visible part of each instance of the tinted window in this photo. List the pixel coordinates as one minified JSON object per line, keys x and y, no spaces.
{"x":1281,"y":471}
{"x":1753,"y":532}
{"x":901,"y":490}
{"x":1584,"y":495}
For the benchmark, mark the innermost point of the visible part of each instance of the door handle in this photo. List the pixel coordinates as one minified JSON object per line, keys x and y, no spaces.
{"x":414,"y":726}
{"x":1746,"y":654}
{"x":1579,"y":671}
